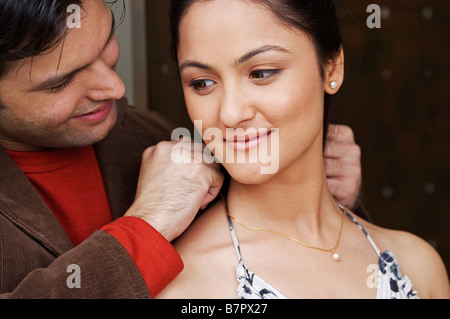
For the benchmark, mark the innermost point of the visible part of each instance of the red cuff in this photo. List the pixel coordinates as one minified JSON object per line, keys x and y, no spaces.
{"x":154,"y":256}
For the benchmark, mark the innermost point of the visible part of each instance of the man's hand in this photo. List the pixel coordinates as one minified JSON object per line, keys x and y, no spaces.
{"x":169,"y":194}
{"x":343,"y":165}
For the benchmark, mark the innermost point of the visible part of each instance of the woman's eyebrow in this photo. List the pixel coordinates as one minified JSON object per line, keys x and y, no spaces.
{"x":260,"y":50}
{"x":243,"y":59}
{"x":194,"y":64}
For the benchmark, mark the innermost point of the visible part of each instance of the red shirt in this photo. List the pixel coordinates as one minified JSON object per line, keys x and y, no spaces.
{"x":71,"y":184}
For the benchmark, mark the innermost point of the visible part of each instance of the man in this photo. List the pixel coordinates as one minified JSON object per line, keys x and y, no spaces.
{"x":73,"y":223}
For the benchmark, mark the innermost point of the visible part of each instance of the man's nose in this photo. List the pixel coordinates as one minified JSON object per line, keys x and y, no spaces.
{"x":105,"y":83}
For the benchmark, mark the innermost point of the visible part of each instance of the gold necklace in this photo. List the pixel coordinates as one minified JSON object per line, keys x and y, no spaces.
{"x":334,"y":255}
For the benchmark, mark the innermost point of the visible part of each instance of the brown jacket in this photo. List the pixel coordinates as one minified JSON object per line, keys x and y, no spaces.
{"x":34,"y":249}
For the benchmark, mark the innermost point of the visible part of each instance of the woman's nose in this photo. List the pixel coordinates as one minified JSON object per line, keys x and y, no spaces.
{"x":236,"y":108}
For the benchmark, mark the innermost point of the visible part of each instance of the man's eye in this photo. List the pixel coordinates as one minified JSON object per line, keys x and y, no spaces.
{"x":263,"y":74}
{"x":59,"y":88}
{"x":201,"y":85}
{"x":62,"y":86}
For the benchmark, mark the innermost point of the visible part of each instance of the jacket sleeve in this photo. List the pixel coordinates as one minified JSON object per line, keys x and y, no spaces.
{"x":156,"y":258}
{"x":100,"y":267}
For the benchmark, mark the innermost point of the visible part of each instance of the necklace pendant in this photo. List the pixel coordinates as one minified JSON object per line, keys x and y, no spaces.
{"x":335,"y":255}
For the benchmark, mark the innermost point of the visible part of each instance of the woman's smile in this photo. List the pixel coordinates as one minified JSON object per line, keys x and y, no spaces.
{"x":248,"y":141}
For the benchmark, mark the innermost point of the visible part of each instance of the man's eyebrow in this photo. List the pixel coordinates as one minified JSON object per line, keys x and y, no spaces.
{"x":243,"y":59}
{"x":58,"y":79}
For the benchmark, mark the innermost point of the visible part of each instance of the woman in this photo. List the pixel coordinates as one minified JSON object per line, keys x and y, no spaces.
{"x":268,"y":68}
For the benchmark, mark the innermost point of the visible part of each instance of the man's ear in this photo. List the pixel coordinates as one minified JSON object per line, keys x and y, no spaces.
{"x":334,"y":74}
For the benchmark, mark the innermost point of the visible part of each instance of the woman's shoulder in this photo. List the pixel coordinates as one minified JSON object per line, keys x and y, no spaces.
{"x":207,"y":252}
{"x":417,"y":259}
{"x":207,"y":230}
{"x":207,"y":242}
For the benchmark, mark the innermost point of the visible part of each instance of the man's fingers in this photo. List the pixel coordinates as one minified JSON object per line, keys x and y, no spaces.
{"x":211,"y":195}
{"x":198,"y":154}
{"x":344,"y":191}
{"x":342,"y":160}
{"x":341,"y":143}
{"x":217,"y":179}
{"x":186,"y":150}
{"x":346,"y":152}
{"x":333,"y":167}
{"x":336,"y":189}
{"x":342,"y":168}
{"x":340,"y":133}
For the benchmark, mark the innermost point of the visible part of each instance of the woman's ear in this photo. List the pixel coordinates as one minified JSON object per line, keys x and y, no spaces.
{"x":334,"y":74}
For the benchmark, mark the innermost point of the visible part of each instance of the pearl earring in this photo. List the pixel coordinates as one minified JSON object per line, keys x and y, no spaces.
{"x":333,"y":85}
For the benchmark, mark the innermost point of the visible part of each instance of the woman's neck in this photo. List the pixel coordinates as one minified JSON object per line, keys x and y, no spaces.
{"x":288,"y":202}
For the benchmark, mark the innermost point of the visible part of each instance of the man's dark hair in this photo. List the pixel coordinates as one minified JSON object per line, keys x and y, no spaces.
{"x":30,"y":27}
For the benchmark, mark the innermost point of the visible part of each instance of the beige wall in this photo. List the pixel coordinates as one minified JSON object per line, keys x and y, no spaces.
{"x":132,"y":66}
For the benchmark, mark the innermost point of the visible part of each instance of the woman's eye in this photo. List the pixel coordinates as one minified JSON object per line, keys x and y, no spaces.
{"x":201,"y":85}
{"x":263,"y":74}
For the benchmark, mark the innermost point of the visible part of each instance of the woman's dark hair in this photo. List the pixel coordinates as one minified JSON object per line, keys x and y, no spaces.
{"x":317,"y":18}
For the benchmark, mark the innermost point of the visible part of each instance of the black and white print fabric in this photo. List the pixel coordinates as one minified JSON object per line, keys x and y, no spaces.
{"x":390,"y":282}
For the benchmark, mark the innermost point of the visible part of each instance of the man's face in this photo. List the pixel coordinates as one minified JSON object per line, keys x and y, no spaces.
{"x":65,"y":97}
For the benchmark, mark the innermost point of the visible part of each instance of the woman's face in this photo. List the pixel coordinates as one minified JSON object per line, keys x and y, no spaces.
{"x":244,"y":73}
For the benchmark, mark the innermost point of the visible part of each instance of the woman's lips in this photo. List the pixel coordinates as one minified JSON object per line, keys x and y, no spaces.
{"x":98,"y":115}
{"x":247,"y":142}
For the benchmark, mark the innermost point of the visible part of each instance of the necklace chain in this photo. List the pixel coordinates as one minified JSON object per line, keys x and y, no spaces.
{"x":335,"y":255}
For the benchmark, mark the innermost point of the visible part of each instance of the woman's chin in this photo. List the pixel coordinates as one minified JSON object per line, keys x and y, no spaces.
{"x":248,"y":174}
